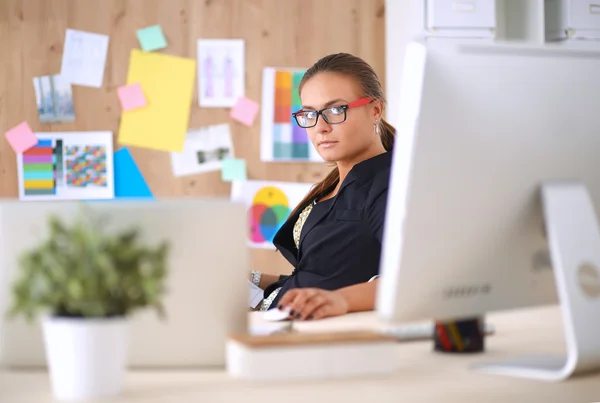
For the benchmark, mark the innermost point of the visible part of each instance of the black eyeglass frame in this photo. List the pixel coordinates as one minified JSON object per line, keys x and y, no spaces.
{"x":353,"y":104}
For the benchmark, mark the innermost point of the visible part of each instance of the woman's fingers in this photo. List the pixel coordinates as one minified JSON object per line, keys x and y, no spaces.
{"x":312,"y":304}
{"x":288,"y":297}
{"x":297,"y":305}
{"x":296,"y":299}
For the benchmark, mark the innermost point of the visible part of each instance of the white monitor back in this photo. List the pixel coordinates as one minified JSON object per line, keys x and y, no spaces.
{"x":207,"y":286}
{"x":482,"y":126}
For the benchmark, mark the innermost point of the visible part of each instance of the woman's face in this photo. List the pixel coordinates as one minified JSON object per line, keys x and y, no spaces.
{"x":354,"y":137}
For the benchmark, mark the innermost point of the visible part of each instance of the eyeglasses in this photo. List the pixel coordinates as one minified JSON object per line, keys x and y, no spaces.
{"x":332,"y":114}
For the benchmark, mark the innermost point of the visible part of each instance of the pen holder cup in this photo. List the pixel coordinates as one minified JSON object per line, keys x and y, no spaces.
{"x":460,"y":336}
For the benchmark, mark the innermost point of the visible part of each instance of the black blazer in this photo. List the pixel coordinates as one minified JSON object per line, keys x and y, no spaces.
{"x":340,"y":243}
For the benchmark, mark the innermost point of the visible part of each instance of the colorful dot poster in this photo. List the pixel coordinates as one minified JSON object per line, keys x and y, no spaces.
{"x":281,"y":137}
{"x":67,"y":166}
{"x":269,"y":205}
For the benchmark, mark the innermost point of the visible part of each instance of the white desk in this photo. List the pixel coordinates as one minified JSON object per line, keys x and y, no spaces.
{"x":425,"y":377}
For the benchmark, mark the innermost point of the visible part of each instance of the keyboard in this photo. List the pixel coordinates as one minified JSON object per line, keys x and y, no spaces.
{"x":421,"y":332}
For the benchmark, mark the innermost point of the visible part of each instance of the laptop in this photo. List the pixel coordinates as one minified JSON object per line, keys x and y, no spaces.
{"x":206,"y":284}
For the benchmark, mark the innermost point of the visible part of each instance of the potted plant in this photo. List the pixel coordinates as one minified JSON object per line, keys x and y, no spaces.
{"x":86,"y":281}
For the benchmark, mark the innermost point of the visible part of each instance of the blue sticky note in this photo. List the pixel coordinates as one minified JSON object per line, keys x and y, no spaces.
{"x":152,"y":38}
{"x":129,"y":182}
{"x":233,"y":169}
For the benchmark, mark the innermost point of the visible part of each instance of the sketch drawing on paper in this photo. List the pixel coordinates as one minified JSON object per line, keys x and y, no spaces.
{"x":54,"y":99}
{"x":228,"y":75}
{"x":84,"y":58}
{"x":208,"y":77}
{"x":220,"y":72}
{"x":281,"y":137}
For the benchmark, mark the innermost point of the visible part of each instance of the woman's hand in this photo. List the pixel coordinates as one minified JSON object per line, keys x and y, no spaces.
{"x":313,"y":303}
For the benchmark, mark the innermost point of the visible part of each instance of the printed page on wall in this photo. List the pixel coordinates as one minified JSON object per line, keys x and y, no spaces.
{"x":203,"y":151}
{"x":67,"y":166}
{"x":269,"y":205}
{"x":221,"y":72}
{"x":84,"y":58}
{"x":281,"y":139}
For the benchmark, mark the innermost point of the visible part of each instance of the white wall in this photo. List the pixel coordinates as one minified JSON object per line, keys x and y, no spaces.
{"x":403,"y":21}
{"x":519,"y":20}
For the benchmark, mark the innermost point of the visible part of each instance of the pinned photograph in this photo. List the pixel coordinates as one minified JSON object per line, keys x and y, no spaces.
{"x":54,"y":99}
{"x":204,"y":150}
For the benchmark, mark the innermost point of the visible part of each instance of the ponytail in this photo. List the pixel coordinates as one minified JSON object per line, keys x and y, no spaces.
{"x":388,"y":134}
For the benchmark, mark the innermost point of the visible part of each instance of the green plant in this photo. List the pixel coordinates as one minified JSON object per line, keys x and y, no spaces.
{"x":84,"y":271}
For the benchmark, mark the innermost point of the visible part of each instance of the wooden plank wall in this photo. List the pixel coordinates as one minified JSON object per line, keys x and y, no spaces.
{"x":280,"y":33}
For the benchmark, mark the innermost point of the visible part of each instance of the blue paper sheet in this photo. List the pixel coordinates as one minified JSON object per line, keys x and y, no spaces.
{"x":129,"y":182}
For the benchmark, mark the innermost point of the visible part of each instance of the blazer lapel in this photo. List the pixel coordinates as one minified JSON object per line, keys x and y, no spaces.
{"x":318,"y":214}
{"x":284,"y":240}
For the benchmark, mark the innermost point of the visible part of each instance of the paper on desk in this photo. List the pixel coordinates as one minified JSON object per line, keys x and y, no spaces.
{"x":84,"y":58}
{"x":220,"y":72}
{"x":255,"y":295}
{"x":168,"y":83}
{"x":203,"y":151}
{"x":258,"y":326}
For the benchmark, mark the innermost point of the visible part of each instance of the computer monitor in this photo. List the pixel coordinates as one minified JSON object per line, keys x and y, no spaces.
{"x":495,"y":180}
{"x":207,"y":286}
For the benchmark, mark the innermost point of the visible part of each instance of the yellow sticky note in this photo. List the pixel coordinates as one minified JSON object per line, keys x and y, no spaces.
{"x":168,"y":83}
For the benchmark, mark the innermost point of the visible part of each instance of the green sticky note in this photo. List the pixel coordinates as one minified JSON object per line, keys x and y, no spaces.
{"x":233,"y":169}
{"x":152,"y":38}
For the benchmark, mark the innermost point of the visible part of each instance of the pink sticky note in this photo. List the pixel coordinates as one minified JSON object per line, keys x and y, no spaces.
{"x":244,"y":111}
{"x":21,"y":138}
{"x":131,"y":96}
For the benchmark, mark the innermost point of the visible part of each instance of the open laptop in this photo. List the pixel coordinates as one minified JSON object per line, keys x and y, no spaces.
{"x":207,"y":280}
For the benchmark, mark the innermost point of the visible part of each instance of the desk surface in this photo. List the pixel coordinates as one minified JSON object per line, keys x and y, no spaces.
{"x":425,"y":376}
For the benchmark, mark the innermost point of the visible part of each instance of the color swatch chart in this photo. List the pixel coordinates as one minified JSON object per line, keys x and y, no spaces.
{"x":281,"y":137}
{"x":67,"y":166}
{"x":86,"y":166}
{"x":289,"y":139}
{"x":41,"y":166}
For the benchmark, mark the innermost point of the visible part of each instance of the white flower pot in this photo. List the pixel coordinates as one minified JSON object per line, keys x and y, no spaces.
{"x":86,"y":358}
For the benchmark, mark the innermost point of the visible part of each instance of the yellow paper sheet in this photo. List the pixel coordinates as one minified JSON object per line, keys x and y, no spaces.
{"x":168,"y":84}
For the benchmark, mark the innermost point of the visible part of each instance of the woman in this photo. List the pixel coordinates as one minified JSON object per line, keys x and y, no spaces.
{"x":333,"y":237}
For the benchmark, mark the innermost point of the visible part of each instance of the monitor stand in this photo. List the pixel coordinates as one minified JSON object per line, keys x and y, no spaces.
{"x":574,"y":240}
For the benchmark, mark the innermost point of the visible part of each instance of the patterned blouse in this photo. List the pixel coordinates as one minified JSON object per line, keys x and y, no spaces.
{"x":266,"y":303}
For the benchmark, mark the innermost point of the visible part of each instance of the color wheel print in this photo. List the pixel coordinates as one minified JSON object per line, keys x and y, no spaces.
{"x":270,"y":208}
